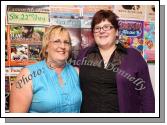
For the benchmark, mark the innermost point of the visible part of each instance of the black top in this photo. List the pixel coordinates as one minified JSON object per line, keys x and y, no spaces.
{"x":98,"y":85}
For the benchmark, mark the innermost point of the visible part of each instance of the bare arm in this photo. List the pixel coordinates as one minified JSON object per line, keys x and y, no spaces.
{"x":21,"y":93}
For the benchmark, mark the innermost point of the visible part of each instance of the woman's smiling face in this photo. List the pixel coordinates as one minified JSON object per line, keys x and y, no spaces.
{"x":59,"y":46}
{"x":104,"y":34}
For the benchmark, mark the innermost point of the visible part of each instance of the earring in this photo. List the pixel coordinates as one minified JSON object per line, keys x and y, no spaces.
{"x":117,"y":41}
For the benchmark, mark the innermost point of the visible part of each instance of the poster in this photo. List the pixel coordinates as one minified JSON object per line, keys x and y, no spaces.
{"x":19,"y":52}
{"x":131,"y":34}
{"x":150,"y":13}
{"x":34,"y":52}
{"x":87,"y":37}
{"x":66,"y":16}
{"x":90,"y":10}
{"x":26,"y":34}
{"x":149,"y":41}
{"x":23,"y":14}
{"x":130,"y":11}
{"x":75,"y":34}
{"x":68,"y":23}
{"x":68,"y":12}
{"x":28,"y":8}
{"x":22,"y":38}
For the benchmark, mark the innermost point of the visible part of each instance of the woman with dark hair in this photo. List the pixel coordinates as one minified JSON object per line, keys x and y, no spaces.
{"x":113,"y":79}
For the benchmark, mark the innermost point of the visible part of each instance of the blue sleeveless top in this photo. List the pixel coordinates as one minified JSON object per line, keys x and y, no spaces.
{"x":48,"y":95}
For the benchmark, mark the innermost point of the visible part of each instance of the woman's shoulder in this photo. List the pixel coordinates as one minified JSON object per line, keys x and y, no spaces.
{"x":86,"y":50}
{"x":135,"y":55}
{"x":73,"y":69}
{"x":69,"y":66}
{"x":83,"y":53}
{"x":35,"y":66}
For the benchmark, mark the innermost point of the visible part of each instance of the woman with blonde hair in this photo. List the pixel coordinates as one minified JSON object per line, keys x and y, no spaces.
{"x":50,"y":85}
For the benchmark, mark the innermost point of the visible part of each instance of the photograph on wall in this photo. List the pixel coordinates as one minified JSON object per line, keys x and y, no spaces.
{"x":19,"y":54}
{"x":34,"y":52}
{"x":26,"y":34}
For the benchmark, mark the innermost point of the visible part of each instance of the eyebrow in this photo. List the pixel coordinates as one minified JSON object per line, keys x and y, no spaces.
{"x":62,"y":40}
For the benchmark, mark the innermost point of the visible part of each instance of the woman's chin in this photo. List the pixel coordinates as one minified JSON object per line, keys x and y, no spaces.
{"x":103,"y":45}
{"x":61,"y":60}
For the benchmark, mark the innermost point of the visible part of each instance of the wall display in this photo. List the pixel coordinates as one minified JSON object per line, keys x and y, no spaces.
{"x":90,"y":10}
{"x":22,"y":14}
{"x":149,"y":42}
{"x":130,"y":11}
{"x":10,"y":77}
{"x":23,"y":39}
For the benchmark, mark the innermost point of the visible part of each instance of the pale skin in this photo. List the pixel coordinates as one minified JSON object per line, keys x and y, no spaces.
{"x":105,"y":40}
{"x":21,"y":98}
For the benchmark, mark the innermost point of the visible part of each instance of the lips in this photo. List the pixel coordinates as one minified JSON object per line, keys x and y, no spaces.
{"x":61,"y":52}
{"x":103,"y":37}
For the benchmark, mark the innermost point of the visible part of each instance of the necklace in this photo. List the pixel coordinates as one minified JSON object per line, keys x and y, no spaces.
{"x":106,"y":54}
{"x":105,"y":64}
{"x":52,"y":65}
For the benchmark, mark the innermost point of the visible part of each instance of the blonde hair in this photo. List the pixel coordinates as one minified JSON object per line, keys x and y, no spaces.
{"x":56,"y":29}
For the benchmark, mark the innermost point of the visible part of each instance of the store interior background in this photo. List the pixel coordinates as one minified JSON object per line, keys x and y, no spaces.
{"x":136,"y":19}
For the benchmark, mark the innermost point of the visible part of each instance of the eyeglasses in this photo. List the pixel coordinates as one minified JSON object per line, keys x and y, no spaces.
{"x":58,"y":42}
{"x":105,"y":28}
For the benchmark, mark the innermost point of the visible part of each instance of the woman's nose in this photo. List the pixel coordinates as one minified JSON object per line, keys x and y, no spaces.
{"x":62,"y":45}
{"x":101,"y":30}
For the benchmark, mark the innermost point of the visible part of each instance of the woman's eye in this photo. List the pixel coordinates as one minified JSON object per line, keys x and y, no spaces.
{"x":67,"y":43}
{"x":105,"y":26}
{"x":97,"y":28}
{"x":56,"y":41}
